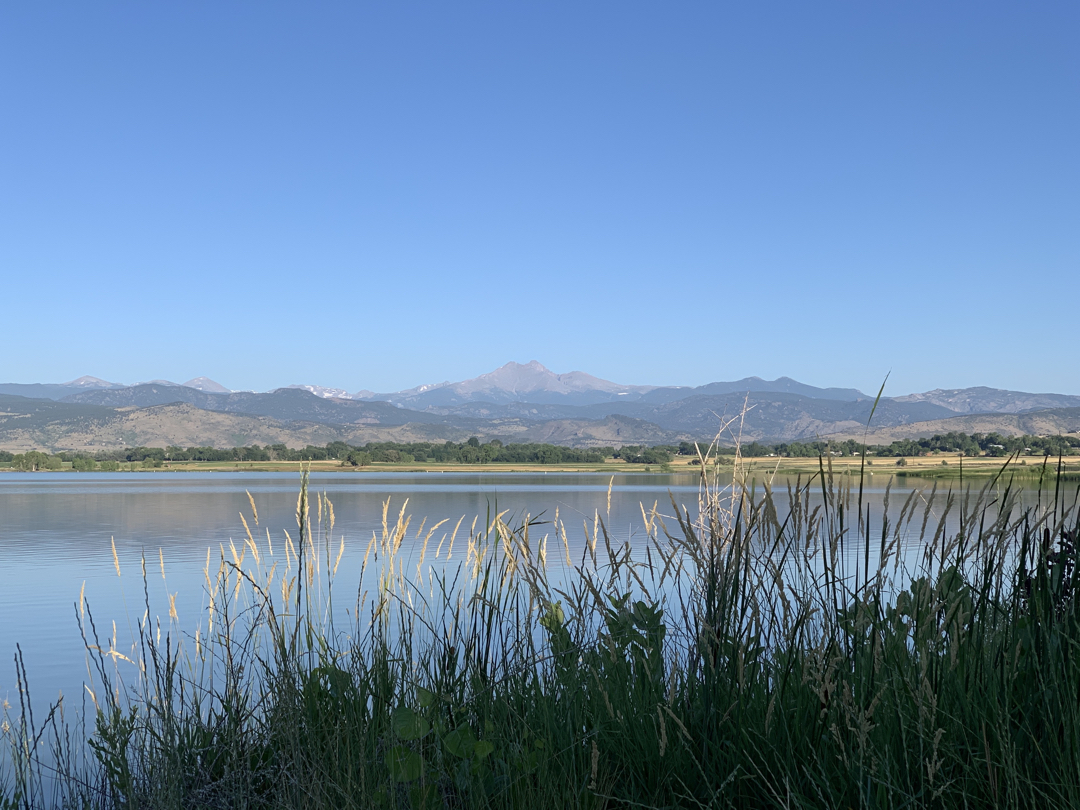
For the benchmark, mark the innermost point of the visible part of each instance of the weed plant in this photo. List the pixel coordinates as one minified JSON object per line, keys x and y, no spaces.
{"x":764,"y":651}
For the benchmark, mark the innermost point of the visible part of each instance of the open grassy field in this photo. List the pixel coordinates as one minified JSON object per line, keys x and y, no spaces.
{"x":933,"y":466}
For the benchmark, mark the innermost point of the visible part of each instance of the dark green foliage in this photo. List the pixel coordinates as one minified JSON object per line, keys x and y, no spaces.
{"x":34,"y":461}
{"x":644,"y":455}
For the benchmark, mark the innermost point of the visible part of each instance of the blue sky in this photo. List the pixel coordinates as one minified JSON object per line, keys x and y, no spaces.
{"x":379,"y":195}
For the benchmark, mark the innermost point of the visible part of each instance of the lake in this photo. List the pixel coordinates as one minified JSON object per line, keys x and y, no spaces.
{"x":57,"y":531}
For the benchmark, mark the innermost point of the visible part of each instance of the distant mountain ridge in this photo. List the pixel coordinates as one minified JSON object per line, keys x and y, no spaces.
{"x":513,"y":382}
{"x":58,"y":391}
{"x":516,"y":382}
{"x":534,"y":383}
{"x":90,"y":382}
{"x":283,"y":404}
{"x":207,"y":385}
{"x":325,"y":393}
{"x":991,"y":400}
{"x":516,"y":402}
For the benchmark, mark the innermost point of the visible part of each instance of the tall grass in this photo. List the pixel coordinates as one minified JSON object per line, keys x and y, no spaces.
{"x":766,"y":650}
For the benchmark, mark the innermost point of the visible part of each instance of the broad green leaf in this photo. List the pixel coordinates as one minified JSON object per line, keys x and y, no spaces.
{"x":482,"y":749}
{"x":425,"y":697}
{"x":405,"y":765}
{"x":461,"y":741}
{"x":408,"y":724}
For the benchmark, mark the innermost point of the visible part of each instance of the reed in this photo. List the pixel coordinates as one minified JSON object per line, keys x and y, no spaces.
{"x":764,"y":651}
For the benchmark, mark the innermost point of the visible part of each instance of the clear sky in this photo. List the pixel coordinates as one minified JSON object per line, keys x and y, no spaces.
{"x":379,"y":195}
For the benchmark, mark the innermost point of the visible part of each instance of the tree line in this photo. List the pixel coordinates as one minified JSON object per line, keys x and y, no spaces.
{"x":975,"y":444}
{"x":495,"y":451}
{"x":468,"y":452}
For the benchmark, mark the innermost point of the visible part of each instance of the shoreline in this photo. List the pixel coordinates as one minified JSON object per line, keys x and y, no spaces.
{"x":930,"y":467}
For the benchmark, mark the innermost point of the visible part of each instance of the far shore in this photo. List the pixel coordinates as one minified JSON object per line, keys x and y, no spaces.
{"x":932,"y":466}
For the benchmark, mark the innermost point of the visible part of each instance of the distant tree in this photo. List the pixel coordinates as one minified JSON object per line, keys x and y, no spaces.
{"x":337,"y":450}
{"x":644,"y":455}
{"x":356,"y":458}
{"x":32,"y":461}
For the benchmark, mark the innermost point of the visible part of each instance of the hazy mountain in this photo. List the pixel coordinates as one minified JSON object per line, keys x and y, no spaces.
{"x":87,"y":382}
{"x":144,"y":395}
{"x":991,"y":400}
{"x":36,"y":390}
{"x":517,"y":382}
{"x":207,"y":385}
{"x":71,"y":426}
{"x":54,"y":390}
{"x":1052,"y":422}
{"x":24,"y":410}
{"x":298,"y":417}
{"x":285,"y":404}
{"x":778,"y":416}
{"x":611,"y":431}
{"x":27,"y":424}
{"x":325,"y":393}
{"x":533,"y":383}
{"x":770,"y":415}
{"x":517,"y":402}
{"x":34,"y":424}
{"x":781,"y":385}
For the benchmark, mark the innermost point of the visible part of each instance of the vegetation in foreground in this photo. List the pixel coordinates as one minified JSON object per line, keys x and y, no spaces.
{"x":773,"y":651}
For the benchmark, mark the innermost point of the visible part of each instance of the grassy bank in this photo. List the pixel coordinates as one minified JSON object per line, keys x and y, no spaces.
{"x":762,"y":468}
{"x":946,"y":467}
{"x":745,"y":657}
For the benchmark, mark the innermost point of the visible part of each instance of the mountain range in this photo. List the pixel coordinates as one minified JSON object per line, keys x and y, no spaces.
{"x":517,"y":402}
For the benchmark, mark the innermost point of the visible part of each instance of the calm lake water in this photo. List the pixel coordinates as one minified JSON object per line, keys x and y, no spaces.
{"x":57,"y":529}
